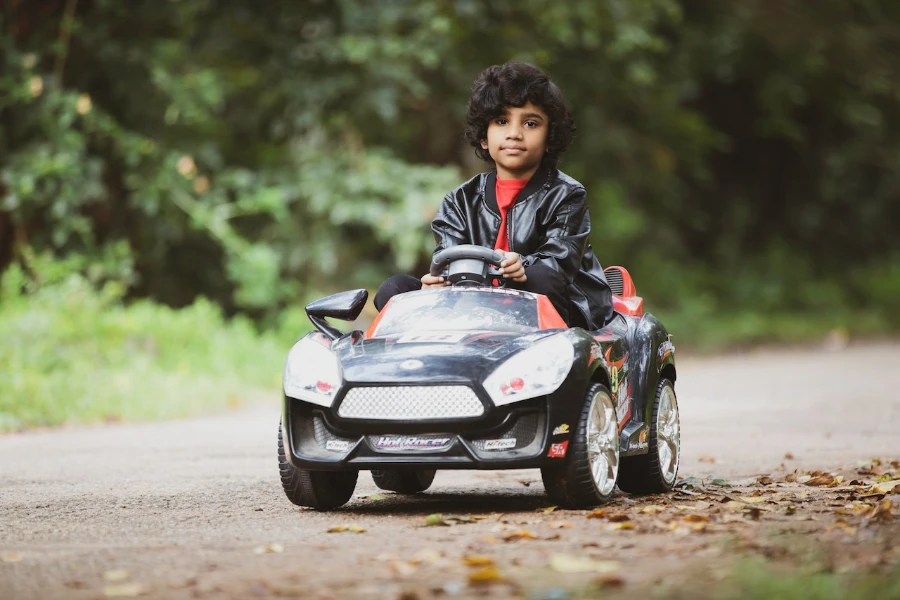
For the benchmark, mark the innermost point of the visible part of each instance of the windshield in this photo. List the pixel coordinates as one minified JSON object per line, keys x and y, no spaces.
{"x":460,"y":309}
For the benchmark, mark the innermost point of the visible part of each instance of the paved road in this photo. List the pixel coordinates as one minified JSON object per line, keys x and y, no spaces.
{"x":183,"y":505}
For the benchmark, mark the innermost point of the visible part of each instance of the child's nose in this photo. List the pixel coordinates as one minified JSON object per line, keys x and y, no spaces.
{"x":514,"y":132}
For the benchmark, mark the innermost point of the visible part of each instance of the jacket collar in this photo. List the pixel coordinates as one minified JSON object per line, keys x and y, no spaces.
{"x":540,"y":178}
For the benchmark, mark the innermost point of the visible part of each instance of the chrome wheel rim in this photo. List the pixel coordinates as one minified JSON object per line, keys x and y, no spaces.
{"x":603,"y":443}
{"x":668,"y":434}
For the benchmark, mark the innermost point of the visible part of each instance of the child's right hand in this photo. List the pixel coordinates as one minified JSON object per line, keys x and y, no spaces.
{"x":429,"y":281}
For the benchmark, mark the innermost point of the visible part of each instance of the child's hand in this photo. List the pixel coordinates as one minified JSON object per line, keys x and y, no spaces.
{"x":429,"y":281}
{"x":511,"y":268}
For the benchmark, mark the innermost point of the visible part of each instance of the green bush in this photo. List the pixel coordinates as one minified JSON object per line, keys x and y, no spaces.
{"x":73,"y":353}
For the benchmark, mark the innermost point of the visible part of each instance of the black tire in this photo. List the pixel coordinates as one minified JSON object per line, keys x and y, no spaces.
{"x":404,"y":482}
{"x":321,"y":490}
{"x":572,"y":485}
{"x":643,"y":474}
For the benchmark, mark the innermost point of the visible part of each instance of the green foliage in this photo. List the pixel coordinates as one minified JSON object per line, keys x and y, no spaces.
{"x":72,"y":353}
{"x":740,"y":158}
{"x":757,"y":580}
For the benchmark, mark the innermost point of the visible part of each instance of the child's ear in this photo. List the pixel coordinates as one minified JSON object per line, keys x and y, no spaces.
{"x":484,"y":145}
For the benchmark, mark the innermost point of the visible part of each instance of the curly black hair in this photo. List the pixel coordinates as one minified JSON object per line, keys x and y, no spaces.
{"x":515,"y":84}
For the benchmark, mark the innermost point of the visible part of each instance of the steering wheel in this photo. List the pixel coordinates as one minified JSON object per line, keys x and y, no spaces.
{"x":468,"y":265}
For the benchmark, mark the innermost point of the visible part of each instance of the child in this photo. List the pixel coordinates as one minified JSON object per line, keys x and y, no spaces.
{"x":535,"y":214}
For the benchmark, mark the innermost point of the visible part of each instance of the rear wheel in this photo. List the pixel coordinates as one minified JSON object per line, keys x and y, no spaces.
{"x":588,"y":476}
{"x":654,"y":472}
{"x":322,"y":490}
{"x":404,"y":482}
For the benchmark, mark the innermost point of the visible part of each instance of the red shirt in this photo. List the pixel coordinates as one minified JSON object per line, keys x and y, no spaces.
{"x":507,"y":191}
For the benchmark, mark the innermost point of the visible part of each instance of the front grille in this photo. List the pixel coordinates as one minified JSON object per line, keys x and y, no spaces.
{"x":615,"y":280}
{"x":523,"y":431}
{"x":411,"y":402}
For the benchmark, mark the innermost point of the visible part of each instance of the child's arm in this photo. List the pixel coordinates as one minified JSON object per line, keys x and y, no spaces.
{"x":565,"y":235}
{"x":449,"y":226}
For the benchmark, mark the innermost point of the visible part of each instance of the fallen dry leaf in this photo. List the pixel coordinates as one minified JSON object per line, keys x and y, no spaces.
{"x":707,"y":459}
{"x":788,"y":456}
{"x":884,"y":487}
{"x":754,"y":512}
{"x":597,"y":513}
{"x":436,"y":520}
{"x":345,"y":528}
{"x":478,"y":560}
{"x":10,"y":557}
{"x":519,"y":534}
{"x":652,"y":509}
{"x":125,"y":590}
{"x":819,"y":480}
{"x":116,"y":575}
{"x":546,"y":510}
{"x":881,"y":512}
{"x":621,"y":525}
{"x":272,"y":548}
{"x":485,"y":575}
{"x":608,"y":580}
{"x":837,"y":481}
{"x":753,"y":499}
{"x":843,"y":526}
{"x":566,"y":563}
{"x":560,"y":524}
{"x":696,"y":519}
{"x":765,"y":480}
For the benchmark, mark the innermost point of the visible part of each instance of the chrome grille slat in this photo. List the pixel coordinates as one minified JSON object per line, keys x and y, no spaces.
{"x":615,"y":281}
{"x":411,"y":402}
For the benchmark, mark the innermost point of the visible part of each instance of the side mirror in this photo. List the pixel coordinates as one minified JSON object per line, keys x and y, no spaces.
{"x":343,"y":305}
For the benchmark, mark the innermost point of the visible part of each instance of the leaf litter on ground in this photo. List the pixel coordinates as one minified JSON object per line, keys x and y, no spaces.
{"x":346,"y":528}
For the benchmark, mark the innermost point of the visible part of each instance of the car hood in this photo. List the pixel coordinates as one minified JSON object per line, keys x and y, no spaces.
{"x":428,"y":357}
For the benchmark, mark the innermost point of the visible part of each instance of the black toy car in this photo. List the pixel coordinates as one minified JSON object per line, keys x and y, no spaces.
{"x":476,"y":376}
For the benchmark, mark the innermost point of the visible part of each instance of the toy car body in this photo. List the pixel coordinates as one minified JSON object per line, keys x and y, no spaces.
{"x":479,"y":377}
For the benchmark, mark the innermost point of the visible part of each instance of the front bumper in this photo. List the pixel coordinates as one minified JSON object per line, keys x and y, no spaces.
{"x":511,"y":437}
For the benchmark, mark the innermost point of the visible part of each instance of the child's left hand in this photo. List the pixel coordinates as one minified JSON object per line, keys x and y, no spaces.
{"x":512,"y":268}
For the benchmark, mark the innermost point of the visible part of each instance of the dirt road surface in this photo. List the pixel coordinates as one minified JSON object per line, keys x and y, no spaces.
{"x":194,"y":509}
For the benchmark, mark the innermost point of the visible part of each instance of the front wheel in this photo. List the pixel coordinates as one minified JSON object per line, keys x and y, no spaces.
{"x":654,"y":472}
{"x":321,"y":490}
{"x":404,"y":482}
{"x":588,"y":476}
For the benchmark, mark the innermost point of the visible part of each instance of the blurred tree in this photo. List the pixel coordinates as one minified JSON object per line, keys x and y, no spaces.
{"x":247,"y":151}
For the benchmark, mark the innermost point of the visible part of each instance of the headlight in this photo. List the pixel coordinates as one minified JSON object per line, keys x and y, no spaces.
{"x":537,"y":371}
{"x":311,"y":373}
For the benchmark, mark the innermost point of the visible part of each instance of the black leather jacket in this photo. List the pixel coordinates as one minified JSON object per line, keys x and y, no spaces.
{"x":549,"y":224}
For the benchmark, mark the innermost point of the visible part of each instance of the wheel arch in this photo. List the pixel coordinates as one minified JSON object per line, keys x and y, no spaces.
{"x":600,"y":375}
{"x":668,"y":371}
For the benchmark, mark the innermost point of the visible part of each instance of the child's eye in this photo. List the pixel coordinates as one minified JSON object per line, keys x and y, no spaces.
{"x":501,"y":121}
{"x":531,"y":123}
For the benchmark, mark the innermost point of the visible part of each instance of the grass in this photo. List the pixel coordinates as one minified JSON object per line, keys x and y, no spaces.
{"x":71,"y":353}
{"x":755,"y":579}
{"x":744,"y":329}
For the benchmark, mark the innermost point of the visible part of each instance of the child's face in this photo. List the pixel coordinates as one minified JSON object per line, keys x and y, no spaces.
{"x":516,"y":140}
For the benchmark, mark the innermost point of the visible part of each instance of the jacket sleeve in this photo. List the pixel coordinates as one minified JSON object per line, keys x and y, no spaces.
{"x":449,"y":225}
{"x":566,"y":230}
